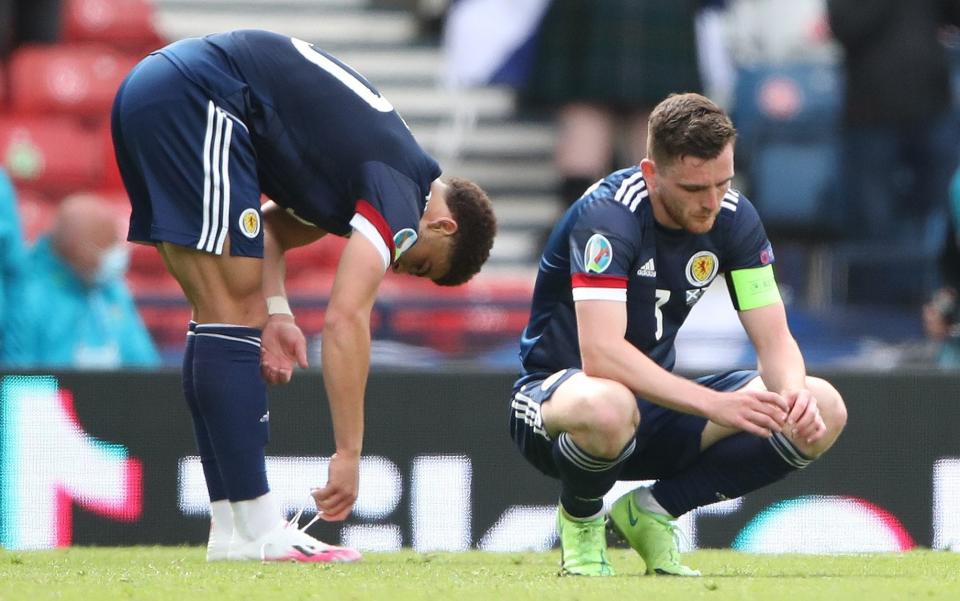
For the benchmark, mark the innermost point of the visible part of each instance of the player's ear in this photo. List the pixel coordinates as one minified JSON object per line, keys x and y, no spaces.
{"x":649,"y":169}
{"x":444,"y":225}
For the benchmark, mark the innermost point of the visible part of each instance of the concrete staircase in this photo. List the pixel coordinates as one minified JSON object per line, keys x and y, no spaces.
{"x":474,"y":133}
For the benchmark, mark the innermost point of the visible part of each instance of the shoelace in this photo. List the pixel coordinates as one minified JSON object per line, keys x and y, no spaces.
{"x":295,"y":522}
{"x":678,"y":536}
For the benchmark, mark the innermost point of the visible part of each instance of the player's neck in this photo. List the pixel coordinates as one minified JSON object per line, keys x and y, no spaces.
{"x":660,"y":214}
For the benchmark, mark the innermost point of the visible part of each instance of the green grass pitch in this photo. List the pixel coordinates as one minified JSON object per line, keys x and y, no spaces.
{"x":180,"y":574}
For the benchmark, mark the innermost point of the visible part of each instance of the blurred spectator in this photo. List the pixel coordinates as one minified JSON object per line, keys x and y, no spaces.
{"x":603,"y":65}
{"x":28,"y":21}
{"x":11,"y":252}
{"x":428,"y":13}
{"x":941,"y":316}
{"x":74,"y":309}
{"x":778,"y":32}
{"x":491,"y":41}
{"x":900,"y":134}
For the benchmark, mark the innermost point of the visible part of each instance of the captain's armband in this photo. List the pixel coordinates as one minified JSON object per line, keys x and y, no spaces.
{"x":753,"y":287}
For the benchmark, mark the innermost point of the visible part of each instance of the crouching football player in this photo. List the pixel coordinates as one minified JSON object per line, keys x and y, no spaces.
{"x":597,"y":402}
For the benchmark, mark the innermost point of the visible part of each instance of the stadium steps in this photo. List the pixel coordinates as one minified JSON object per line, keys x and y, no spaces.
{"x":474,"y":133}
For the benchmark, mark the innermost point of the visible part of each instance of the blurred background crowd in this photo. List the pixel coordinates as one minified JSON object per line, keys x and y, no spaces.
{"x":848,"y":145}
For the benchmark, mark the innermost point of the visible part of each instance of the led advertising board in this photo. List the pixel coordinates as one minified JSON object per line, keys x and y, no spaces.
{"x":108,"y":459}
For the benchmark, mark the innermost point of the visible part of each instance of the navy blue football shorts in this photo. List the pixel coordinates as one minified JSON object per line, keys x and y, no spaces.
{"x":188,"y":163}
{"x":667,"y":440}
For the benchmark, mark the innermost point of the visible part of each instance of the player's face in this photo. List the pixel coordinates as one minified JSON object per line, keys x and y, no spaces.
{"x":687,"y":193}
{"x":428,"y":258}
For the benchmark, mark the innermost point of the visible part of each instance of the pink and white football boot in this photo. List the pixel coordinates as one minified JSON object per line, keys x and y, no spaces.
{"x":289,"y":542}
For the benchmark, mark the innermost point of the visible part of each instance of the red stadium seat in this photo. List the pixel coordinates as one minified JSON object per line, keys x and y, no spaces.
{"x":311,"y":318}
{"x":62,"y":79}
{"x":117,"y":199}
{"x":3,"y":88}
{"x":167,"y":324}
{"x":153,"y":284}
{"x":112,"y":181}
{"x":55,"y":155}
{"x":146,"y":262}
{"x":313,"y":283}
{"x":126,"y":24}
{"x":483,"y":312}
{"x":324,"y":254}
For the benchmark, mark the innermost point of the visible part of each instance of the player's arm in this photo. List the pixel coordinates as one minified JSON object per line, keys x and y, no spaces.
{"x":346,"y":361}
{"x":283,"y":343}
{"x":778,"y":357}
{"x":779,"y":360}
{"x":605,"y":353}
{"x":281,"y":232}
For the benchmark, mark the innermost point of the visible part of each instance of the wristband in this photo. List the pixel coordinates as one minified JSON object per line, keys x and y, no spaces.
{"x":278,"y":305}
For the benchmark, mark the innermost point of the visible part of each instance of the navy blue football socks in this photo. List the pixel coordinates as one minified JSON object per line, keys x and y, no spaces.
{"x":208,"y":460}
{"x":730,"y":468}
{"x":231,"y":399}
{"x":585,"y":478}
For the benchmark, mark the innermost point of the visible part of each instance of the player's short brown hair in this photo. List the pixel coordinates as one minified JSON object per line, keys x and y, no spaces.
{"x":688,"y":125}
{"x":471,"y":208}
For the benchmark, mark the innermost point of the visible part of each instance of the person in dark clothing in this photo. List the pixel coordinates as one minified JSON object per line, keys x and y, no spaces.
{"x":28,"y":21}
{"x":900,"y":133}
{"x":602,"y":66}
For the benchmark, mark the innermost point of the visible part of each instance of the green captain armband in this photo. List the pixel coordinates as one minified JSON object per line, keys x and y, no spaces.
{"x":753,"y":287}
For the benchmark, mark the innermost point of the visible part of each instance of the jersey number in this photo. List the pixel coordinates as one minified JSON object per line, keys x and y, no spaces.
{"x":662,"y":297}
{"x":348,"y":79}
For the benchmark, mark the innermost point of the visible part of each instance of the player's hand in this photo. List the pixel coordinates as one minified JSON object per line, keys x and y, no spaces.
{"x":335,"y":500}
{"x":804,"y":422}
{"x":758,"y":412}
{"x":282,"y":346}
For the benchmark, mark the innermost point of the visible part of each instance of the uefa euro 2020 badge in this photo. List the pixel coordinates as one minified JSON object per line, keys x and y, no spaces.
{"x":402,"y":241}
{"x":598,"y":254}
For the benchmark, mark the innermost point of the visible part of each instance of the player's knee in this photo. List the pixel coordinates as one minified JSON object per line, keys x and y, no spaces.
{"x":832,"y":408}
{"x":833,"y":411}
{"x":609,"y":411}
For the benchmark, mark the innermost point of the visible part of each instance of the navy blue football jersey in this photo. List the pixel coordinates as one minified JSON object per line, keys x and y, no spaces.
{"x":329,"y":147}
{"x":609,"y":246}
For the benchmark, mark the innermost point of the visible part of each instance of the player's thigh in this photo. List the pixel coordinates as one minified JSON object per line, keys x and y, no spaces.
{"x":527,"y":427}
{"x":544,"y":407}
{"x":582,"y":403}
{"x":221,"y":288}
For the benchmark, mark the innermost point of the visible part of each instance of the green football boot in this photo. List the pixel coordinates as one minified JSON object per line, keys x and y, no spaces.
{"x":583,"y":547}
{"x":652,"y":535}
